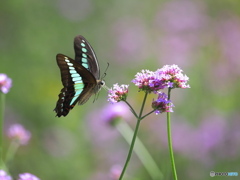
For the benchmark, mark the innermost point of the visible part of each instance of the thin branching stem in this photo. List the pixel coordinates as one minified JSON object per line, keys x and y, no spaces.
{"x":170,"y":141}
{"x":134,"y":137}
{"x":131,"y":108}
{"x":147,"y":114}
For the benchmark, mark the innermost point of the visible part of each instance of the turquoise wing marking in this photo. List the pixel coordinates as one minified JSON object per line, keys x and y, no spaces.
{"x":77,"y":79}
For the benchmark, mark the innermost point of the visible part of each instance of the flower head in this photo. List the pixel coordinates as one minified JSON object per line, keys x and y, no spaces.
{"x":27,"y":176}
{"x":173,"y":77}
{"x":162,"y":104}
{"x":148,"y":81}
{"x":4,"y":176}
{"x":118,"y":93}
{"x":5,"y":83}
{"x":19,"y":133}
{"x":170,"y":76}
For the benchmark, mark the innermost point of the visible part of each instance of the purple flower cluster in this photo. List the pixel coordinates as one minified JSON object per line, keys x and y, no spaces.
{"x":5,"y":83}
{"x":162,"y":104}
{"x":148,"y":81}
{"x":170,"y":76}
{"x":19,"y":133}
{"x":27,"y":176}
{"x":118,"y":93}
{"x":173,"y":77}
{"x":4,"y":175}
{"x":24,"y":176}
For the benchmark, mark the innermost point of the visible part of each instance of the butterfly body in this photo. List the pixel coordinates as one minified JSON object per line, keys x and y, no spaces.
{"x":80,"y":77}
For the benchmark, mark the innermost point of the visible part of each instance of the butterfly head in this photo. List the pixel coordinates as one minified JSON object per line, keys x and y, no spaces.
{"x":100,"y":84}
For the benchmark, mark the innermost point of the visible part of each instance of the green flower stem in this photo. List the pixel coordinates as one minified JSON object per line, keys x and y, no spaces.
{"x":1,"y":128}
{"x":169,"y":93}
{"x":170,"y":141}
{"x":131,"y":108}
{"x":148,"y":114}
{"x":134,"y":137}
{"x":141,"y":151}
{"x":12,"y":151}
{"x":131,"y":149}
{"x":143,"y":104}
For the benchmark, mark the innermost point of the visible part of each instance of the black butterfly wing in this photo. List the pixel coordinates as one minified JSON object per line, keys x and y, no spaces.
{"x":78,"y":85}
{"x":85,"y":55}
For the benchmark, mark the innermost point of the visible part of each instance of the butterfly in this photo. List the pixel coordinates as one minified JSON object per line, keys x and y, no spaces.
{"x":80,"y":77}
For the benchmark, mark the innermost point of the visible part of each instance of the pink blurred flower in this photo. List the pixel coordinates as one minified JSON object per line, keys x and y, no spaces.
{"x":4,"y":176}
{"x":113,"y":111}
{"x":27,"y":176}
{"x":5,"y":83}
{"x":19,"y":133}
{"x":101,"y":122}
{"x":115,"y":172}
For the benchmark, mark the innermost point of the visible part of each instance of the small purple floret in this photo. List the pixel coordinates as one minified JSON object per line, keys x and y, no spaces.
{"x":162,"y":104}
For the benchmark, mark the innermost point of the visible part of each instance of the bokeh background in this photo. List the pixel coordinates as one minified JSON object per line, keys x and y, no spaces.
{"x":202,"y":37}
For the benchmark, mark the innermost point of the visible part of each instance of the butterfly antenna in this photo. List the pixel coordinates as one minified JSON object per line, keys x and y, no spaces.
{"x":104,"y":74}
{"x":103,"y":85}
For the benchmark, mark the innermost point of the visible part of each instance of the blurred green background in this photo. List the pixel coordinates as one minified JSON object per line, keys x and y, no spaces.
{"x":202,"y":37}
